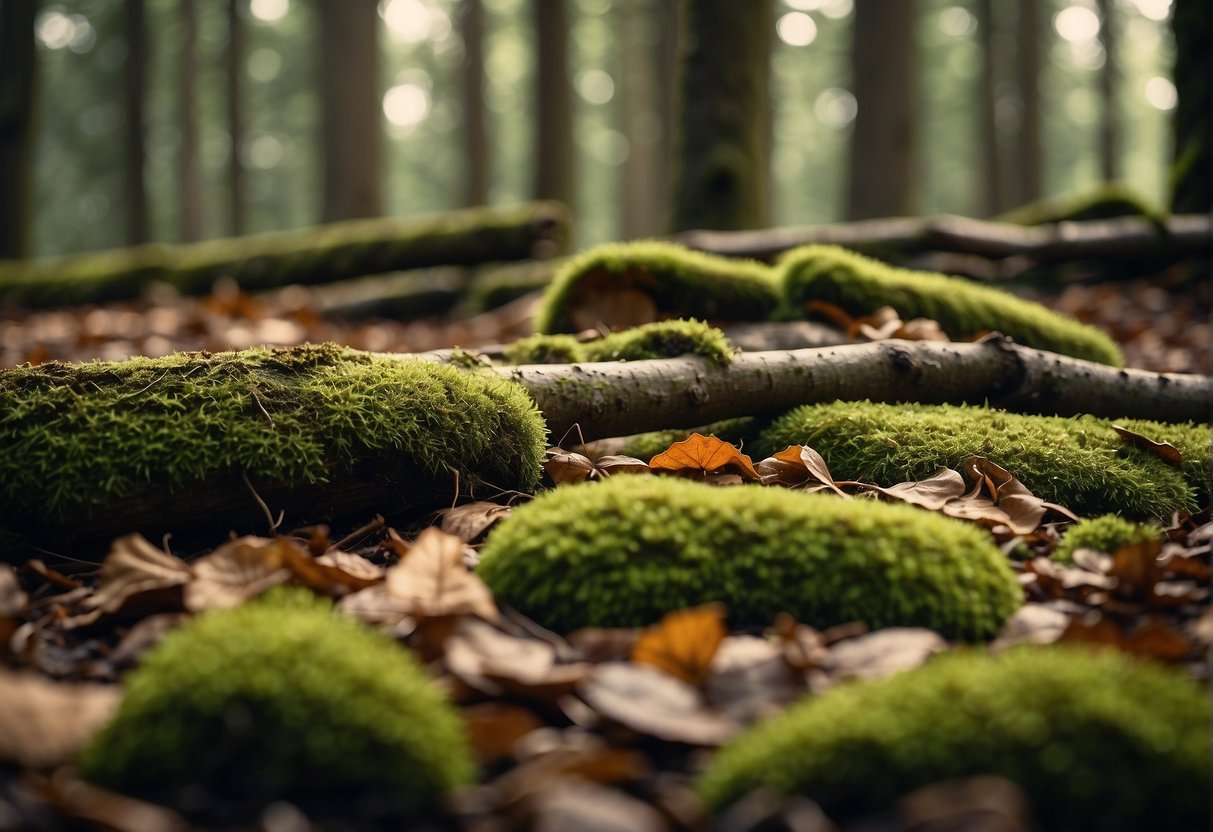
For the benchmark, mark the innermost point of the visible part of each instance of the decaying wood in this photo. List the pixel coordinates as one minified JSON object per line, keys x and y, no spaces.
{"x":621,"y":398}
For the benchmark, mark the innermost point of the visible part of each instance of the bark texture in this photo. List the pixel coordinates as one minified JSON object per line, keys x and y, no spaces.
{"x":17,"y":82}
{"x":722,"y":166}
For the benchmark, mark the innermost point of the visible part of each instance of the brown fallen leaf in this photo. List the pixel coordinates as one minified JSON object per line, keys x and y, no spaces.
{"x":653,"y":703}
{"x":493,"y":662}
{"x":932,"y":493}
{"x":237,"y":571}
{"x":568,"y":803}
{"x":353,"y":565}
{"x":750,"y":679}
{"x":683,"y":643}
{"x":45,"y":723}
{"x":699,"y":455}
{"x":468,"y":522}
{"x":433,"y":581}
{"x":1165,"y":451}
{"x":882,"y":653}
{"x":1156,"y":639}
{"x":493,"y":728}
{"x":1032,"y":624}
{"x":568,"y":467}
{"x":798,"y":465}
{"x":132,"y":568}
{"x":1136,"y":569}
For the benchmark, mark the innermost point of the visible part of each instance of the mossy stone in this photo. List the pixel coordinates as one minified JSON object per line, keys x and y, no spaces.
{"x":1105,"y":533}
{"x":680,"y":283}
{"x":623,"y":552}
{"x":662,"y":339}
{"x":1098,"y":741}
{"x":165,"y":444}
{"x":1080,"y":462}
{"x":963,"y":309}
{"x":281,"y":698}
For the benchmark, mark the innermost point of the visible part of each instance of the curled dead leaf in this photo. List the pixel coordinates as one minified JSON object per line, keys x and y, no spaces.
{"x":653,"y":703}
{"x":493,"y":662}
{"x":567,"y":467}
{"x":798,"y":465}
{"x":698,"y":455}
{"x":1165,"y":451}
{"x":432,"y":580}
{"x":468,"y":522}
{"x":237,"y":571}
{"x":132,"y":568}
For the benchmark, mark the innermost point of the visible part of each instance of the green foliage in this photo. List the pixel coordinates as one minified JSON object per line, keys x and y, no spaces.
{"x":1080,"y":463}
{"x":1105,"y":533}
{"x":1111,"y":199}
{"x":861,"y":285}
{"x":663,"y":339}
{"x":681,"y":282}
{"x":623,"y":552}
{"x":1097,"y":740}
{"x":277,"y":698}
{"x":85,"y":436}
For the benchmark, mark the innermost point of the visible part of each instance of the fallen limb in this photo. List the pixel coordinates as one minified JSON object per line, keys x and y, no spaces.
{"x":306,"y":256}
{"x":621,"y":398}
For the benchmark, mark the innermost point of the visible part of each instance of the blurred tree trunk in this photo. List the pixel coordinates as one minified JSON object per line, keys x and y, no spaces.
{"x":189,"y":172}
{"x":721,"y":162}
{"x":669,"y":29}
{"x":1029,"y":167}
{"x":475,"y":114}
{"x":992,"y":199}
{"x":885,"y":77}
{"x":555,"y":166}
{"x":641,"y":186}
{"x":237,"y":216}
{"x":135,"y":150}
{"x":1109,"y":79}
{"x":1191,"y":175}
{"x":352,"y":133}
{"x":17,"y":76}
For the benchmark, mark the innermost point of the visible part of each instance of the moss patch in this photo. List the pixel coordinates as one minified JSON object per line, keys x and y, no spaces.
{"x":678,"y":282}
{"x":82,"y":439}
{"x":861,"y":285}
{"x":1080,"y":463}
{"x":625,"y":551}
{"x":1097,"y":740}
{"x":281,"y":698}
{"x":1105,"y":533}
{"x":663,"y":339}
{"x":1111,"y":199}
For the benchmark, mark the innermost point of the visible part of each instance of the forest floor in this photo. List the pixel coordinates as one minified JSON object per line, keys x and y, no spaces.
{"x":558,"y":748}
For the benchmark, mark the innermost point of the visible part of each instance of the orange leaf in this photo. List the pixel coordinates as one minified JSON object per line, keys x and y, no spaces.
{"x":683,"y":643}
{"x":1165,"y":451}
{"x":704,"y":454}
{"x":797,"y":465}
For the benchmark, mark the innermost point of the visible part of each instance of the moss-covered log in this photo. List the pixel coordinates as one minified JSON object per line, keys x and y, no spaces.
{"x":173,"y":444}
{"x":663,"y":339}
{"x":315,"y":255}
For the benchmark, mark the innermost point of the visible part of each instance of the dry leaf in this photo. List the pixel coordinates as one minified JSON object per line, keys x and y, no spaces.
{"x":565,"y":467}
{"x":796,"y":465}
{"x":567,"y":803}
{"x":612,"y":464}
{"x":922,"y":329}
{"x":1165,"y":451}
{"x":45,"y":723}
{"x":654,"y":703}
{"x":133,"y":567}
{"x":699,"y":454}
{"x":882,"y":653}
{"x":751,"y":680}
{"x":353,"y":565}
{"x":1156,"y":639}
{"x":1033,"y":624}
{"x":494,"y":662}
{"x":932,"y":493}
{"x":468,"y":522}
{"x":683,"y":643}
{"x":239,"y":570}
{"x":494,"y":727}
{"x":432,"y":579}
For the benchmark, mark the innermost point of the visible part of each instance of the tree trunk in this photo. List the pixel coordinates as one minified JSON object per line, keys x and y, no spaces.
{"x":1192,"y":173}
{"x":669,"y":20}
{"x":1109,"y":80}
{"x":992,"y":199}
{"x":17,"y":83}
{"x":555,"y":160}
{"x":237,"y":212}
{"x":1029,"y":172}
{"x":640,"y":184}
{"x":622,"y":398}
{"x":475,"y":114}
{"x":352,"y":133}
{"x":189,"y":172}
{"x":135,"y":151}
{"x":883,"y":143}
{"x":721,"y":161}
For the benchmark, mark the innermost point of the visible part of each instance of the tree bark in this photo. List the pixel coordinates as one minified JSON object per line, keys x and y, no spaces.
{"x":1029,"y":168}
{"x":1109,"y":80}
{"x":475,"y":114}
{"x":722,"y":166}
{"x":17,"y":85}
{"x":992,"y":199}
{"x":352,"y":134}
{"x":623,"y":398}
{"x":189,"y":171}
{"x":668,"y":48}
{"x":1192,"y":170}
{"x":135,"y":150}
{"x":883,"y":143}
{"x":640,"y":184}
{"x":555,"y":165}
{"x":237,"y":210}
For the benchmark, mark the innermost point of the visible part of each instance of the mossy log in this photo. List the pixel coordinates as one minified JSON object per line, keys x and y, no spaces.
{"x":314,"y":255}
{"x":175,"y":444}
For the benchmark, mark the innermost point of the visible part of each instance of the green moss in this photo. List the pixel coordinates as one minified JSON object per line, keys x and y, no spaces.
{"x":1080,"y":463}
{"x":1098,"y":741}
{"x":281,"y":698}
{"x":663,"y":339}
{"x":1111,"y":199}
{"x":682,"y":284}
{"x":860,"y":285}
{"x":83,"y":439}
{"x":1105,"y":533}
{"x":623,"y":552}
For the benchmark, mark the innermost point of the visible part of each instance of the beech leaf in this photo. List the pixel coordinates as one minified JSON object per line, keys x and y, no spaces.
{"x":132,"y":567}
{"x":432,"y":579}
{"x":237,"y":571}
{"x":683,"y":643}
{"x":1165,"y":451}
{"x":699,"y":454}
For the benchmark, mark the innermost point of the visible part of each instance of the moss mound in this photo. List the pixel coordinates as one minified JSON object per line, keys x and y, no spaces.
{"x":1109,"y":200}
{"x":1097,"y":740}
{"x":1105,"y":533}
{"x":679,"y":282}
{"x":140,"y":437}
{"x":861,"y":285}
{"x":1080,"y":463}
{"x":663,"y":339}
{"x":622,"y":552}
{"x":281,"y":698}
